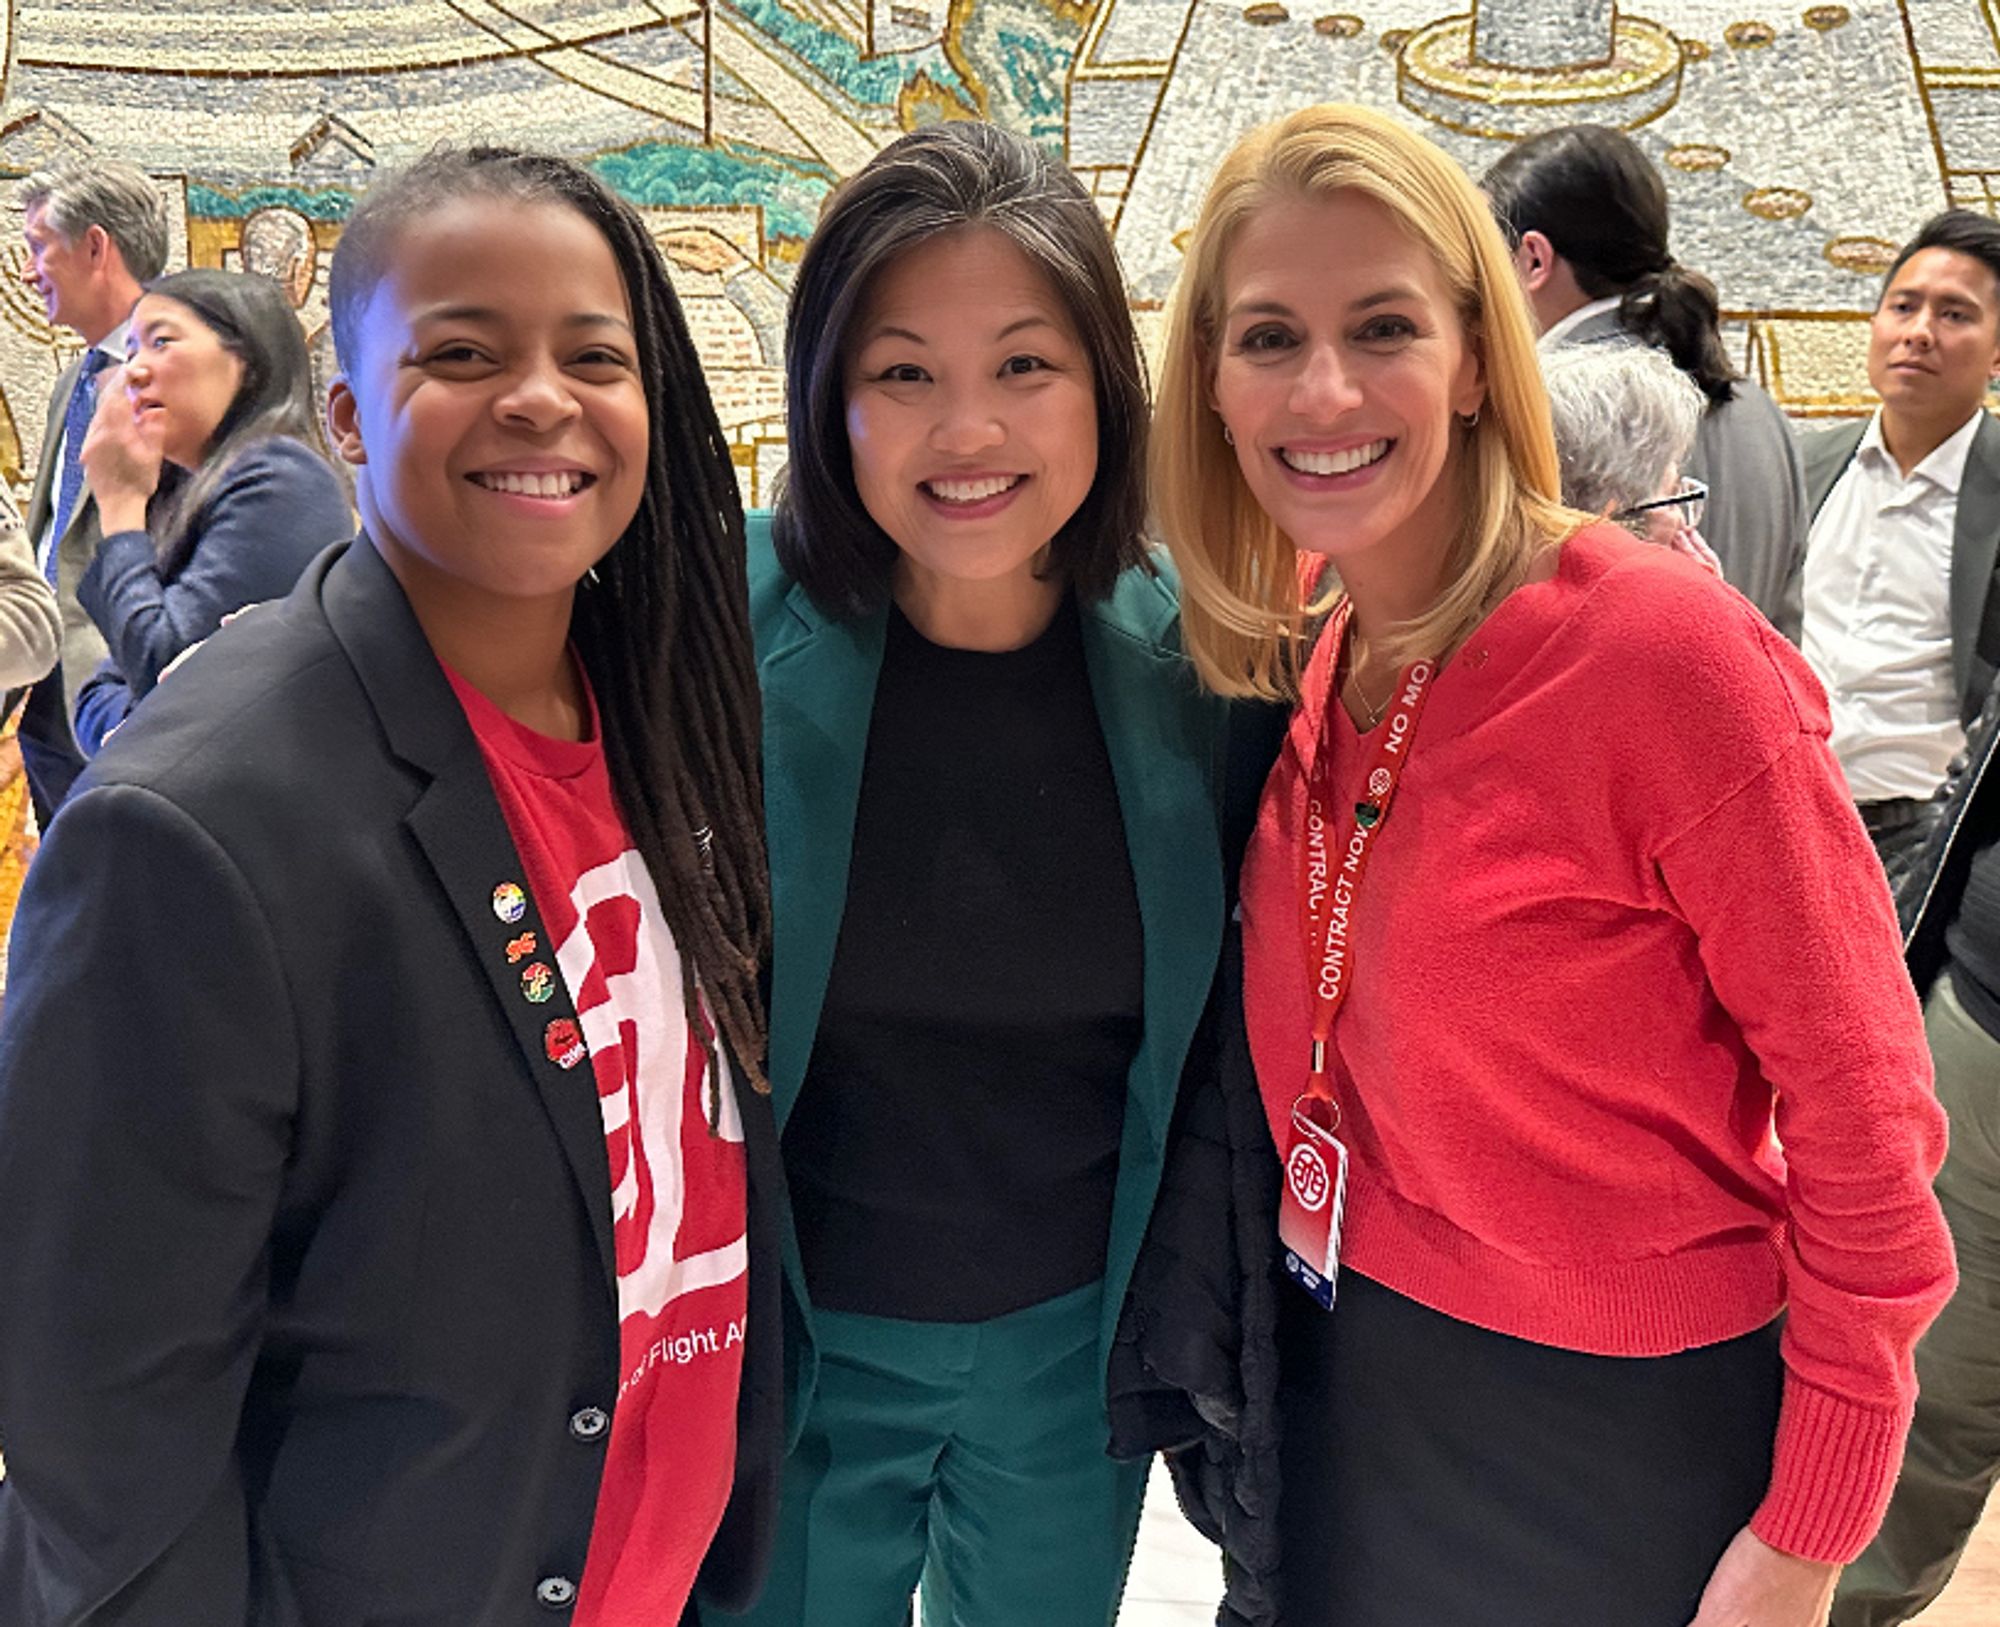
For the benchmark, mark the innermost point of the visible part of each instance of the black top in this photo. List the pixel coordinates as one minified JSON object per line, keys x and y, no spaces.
{"x":1973,"y":940}
{"x":955,"y":1145}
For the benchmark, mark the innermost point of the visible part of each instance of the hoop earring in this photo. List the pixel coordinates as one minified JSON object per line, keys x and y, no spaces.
{"x":1469,"y":420}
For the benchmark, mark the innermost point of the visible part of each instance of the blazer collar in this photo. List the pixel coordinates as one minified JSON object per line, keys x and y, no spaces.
{"x":1161,"y":734}
{"x":819,"y":676}
{"x":1975,"y":544}
{"x":1591,"y":323}
{"x":372,"y":619}
{"x":1825,"y":455}
{"x":457,"y":823}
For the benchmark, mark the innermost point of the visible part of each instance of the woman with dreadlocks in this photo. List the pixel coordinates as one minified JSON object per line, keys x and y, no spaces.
{"x":333,"y":1288}
{"x":997,"y":885}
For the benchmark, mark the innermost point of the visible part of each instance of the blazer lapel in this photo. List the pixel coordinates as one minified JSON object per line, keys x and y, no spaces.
{"x":457,"y":823}
{"x":42,"y":497}
{"x":818,"y":678}
{"x":1162,"y":737}
{"x":1975,"y":542}
{"x":1161,"y":732}
{"x":1825,"y":456}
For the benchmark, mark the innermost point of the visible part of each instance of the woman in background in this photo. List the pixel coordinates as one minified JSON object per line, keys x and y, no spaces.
{"x":1624,"y":418}
{"x":210,"y":485}
{"x":1586,"y":213}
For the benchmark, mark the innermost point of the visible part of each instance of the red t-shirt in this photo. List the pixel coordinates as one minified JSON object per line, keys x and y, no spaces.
{"x":677,"y":1190}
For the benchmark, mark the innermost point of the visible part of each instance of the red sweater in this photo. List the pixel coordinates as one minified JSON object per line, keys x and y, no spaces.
{"x":1623,"y":910}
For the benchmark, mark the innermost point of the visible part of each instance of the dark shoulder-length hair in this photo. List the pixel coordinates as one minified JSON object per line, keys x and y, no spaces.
{"x":662,"y":624}
{"x":252,"y":320}
{"x":939,"y":179}
{"x":1600,"y":202}
{"x":1963,"y":231}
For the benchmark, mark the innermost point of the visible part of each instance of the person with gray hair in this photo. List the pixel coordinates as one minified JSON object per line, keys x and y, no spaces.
{"x":96,"y":231}
{"x":1586,"y":212}
{"x":1625,"y":418}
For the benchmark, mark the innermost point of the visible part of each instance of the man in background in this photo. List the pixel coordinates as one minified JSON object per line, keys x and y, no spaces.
{"x":1902,"y":623}
{"x":96,"y":233}
{"x":1586,"y":212}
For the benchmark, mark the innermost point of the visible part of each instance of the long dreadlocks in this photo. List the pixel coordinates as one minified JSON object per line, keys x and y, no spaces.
{"x":663,"y":629}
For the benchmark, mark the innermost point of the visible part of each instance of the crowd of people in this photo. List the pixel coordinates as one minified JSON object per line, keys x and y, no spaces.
{"x":1404,"y":919}
{"x":182,"y":476}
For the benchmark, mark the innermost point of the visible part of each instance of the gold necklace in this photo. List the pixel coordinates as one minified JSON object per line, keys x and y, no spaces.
{"x":1354,"y":682}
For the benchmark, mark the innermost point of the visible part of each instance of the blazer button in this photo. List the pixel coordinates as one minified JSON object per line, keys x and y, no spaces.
{"x":590,"y":1424}
{"x":555,"y":1593}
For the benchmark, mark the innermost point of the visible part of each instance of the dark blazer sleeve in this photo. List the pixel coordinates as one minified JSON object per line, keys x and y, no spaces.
{"x":148,"y":1069}
{"x":279,"y":506}
{"x":104,"y":702}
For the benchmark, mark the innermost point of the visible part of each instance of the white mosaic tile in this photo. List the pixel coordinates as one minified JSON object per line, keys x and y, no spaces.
{"x":1875,"y":113}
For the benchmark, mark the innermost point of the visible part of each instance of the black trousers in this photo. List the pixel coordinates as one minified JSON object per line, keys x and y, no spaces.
{"x":1440,"y":1475}
{"x":1900,"y":829}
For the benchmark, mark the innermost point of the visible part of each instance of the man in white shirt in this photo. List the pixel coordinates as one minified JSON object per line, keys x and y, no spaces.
{"x":1903,"y":623}
{"x":1899,"y":575}
{"x":96,"y":232}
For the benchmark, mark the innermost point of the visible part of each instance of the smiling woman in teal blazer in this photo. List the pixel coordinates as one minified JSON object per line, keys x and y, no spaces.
{"x":997,"y":890}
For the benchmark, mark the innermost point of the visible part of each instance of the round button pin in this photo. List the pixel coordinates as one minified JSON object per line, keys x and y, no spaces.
{"x":509,"y":902}
{"x":562,"y":1041}
{"x":538,"y":983}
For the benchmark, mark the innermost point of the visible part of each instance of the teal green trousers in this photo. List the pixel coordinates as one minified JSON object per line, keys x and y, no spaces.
{"x":967,"y":1456}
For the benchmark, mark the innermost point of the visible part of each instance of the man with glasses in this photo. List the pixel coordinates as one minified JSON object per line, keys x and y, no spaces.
{"x":1901,"y":620}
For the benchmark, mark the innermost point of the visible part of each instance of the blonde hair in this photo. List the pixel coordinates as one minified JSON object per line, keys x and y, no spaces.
{"x":1244,"y":613}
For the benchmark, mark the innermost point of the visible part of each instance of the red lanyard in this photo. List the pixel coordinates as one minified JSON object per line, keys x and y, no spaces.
{"x":1330,"y":877}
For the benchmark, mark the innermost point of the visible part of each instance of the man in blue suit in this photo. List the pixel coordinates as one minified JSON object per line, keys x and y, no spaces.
{"x":96,"y":233}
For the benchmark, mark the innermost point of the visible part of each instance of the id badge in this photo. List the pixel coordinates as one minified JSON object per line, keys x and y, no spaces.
{"x":1309,"y":1208}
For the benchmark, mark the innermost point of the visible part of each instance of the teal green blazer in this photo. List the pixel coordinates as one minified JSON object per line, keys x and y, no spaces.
{"x":1165,"y":740}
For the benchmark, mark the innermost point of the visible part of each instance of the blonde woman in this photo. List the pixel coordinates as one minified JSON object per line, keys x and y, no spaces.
{"x":1556,"y":921}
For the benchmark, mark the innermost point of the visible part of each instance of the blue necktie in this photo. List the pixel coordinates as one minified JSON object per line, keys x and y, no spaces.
{"x":76,"y":424}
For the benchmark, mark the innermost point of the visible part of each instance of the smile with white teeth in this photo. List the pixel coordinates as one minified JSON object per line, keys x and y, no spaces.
{"x":971,"y":491}
{"x":556,"y":483}
{"x":1334,"y":463}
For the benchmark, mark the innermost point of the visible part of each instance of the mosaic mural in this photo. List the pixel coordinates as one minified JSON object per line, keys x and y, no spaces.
{"x":1799,"y":145}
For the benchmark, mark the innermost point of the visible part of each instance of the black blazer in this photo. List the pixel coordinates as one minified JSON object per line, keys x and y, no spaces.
{"x":305,"y":1239}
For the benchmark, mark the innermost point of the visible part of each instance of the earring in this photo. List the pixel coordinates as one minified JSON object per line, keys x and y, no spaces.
{"x":1229,"y":434}
{"x":1470,"y":420}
